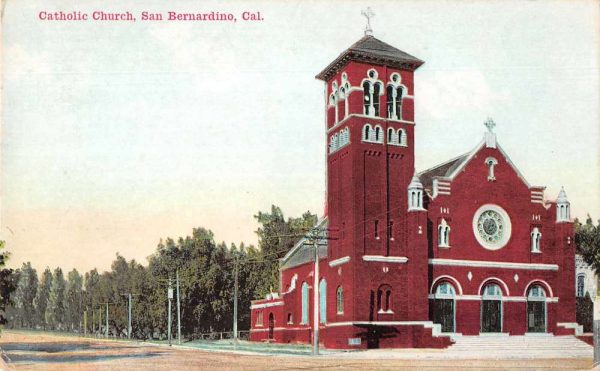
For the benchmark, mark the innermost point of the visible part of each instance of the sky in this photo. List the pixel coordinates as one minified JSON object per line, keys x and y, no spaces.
{"x":117,"y":134}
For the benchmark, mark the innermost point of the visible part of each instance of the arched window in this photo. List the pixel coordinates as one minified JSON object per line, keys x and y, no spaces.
{"x":367,"y":98}
{"x":402,"y":137}
{"x":492,"y":291}
{"x":372,"y":89}
{"x":536,"y":237}
{"x":304,"y":303}
{"x":367,"y":132}
{"x":290,"y":320}
{"x":378,"y":134}
{"x":340,"y":300}
{"x":491,"y":308}
{"x":444,"y":306}
{"x":394,"y":97}
{"x":443,"y":234}
{"x":491,"y":162}
{"x":323,"y":301}
{"x":580,"y":285}
{"x":259,"y":319}
{"x":391,"y":137}
{"x":384,"y":299}
{"x":390,"y":101}
{"x":536,"y":309}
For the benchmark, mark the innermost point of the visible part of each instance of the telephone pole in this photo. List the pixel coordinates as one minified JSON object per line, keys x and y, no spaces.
{"x":235,"y":302}
{"x":170,"y":297}
{"x":129,"y":328}
{"x":178,"y":309}
{"x":106,"y":320}
{"x":316,"y":302}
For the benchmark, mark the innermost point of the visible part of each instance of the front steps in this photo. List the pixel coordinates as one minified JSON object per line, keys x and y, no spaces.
{"x":519,"y":347}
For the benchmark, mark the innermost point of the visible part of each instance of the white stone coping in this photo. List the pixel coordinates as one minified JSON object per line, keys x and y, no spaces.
{"x":385,"y":259}
{"x":493,"y":264}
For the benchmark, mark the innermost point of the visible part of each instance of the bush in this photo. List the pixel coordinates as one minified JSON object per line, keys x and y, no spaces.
{"x":585,"y":312}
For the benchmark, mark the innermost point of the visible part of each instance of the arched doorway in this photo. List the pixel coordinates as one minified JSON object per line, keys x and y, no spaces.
{"x":444,"y":307}
{"x":271,"y":325}
{"x":491,"y":309}
{"x":536,"y":309}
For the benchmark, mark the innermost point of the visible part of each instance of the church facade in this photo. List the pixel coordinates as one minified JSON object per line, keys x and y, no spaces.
{"x":411,"y":259}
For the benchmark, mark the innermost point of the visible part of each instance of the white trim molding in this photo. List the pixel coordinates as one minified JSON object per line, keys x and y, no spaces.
{"x":572,"y":325}
{"x":436,"y":328}
{"x":385,"y":259}
{"x":266,"y":305}
{"x":340,"y":261}
{"x":493,"y":264}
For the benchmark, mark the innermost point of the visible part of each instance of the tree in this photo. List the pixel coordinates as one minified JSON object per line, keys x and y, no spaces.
{"x":8,"y":284}
{"x":55,"y":311}
{"x":276,"y":237}
{"x":587,"y":239}
{"x":74,"y":300}
{"x":25,"y":295}
{"x":41,"y":298}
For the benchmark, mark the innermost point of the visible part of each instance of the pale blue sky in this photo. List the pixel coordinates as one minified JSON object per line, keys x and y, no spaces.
{"x":117,"y":134}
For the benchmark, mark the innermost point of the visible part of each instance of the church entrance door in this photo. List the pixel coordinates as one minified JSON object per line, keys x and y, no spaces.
{"x":443,"y":313}
{"x":536,"y":316}
{"x":271,"y":325}
{"x":491,"y":316}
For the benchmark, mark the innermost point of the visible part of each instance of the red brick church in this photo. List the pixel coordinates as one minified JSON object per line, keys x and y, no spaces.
{"x":467,"y":247}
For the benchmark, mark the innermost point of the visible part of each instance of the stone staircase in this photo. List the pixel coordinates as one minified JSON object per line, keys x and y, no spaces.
{"x":518,"y":347}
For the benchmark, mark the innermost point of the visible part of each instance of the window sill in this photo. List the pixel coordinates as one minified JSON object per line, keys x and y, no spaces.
{"x":444,"y":246}
{"x":536,"y":252}
{"x":381,"y":311}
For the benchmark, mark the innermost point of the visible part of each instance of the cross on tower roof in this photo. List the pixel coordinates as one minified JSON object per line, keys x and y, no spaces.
{"x":368,"y":13}
{"x":489,"y":124}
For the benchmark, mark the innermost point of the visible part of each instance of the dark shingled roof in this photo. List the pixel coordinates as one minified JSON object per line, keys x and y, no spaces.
{"x":374,"y":51}
{"x":302,"y":252}
{"x":443,"y":170}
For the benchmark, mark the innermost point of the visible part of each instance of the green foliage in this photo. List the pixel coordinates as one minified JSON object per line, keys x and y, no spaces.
{"x":206,"y":273}
{"x":8,"y":284}
{"x":276,"y":237}
{"x":585,"y":312}
{"x":41,"y":298}
{"x":74,"y":300}
{"x":587,"y":239}
{"x":55,"y":310}
{"x":24,"y":296}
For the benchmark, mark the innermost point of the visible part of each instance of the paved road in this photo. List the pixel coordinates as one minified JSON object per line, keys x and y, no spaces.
{"x":38,"y":351}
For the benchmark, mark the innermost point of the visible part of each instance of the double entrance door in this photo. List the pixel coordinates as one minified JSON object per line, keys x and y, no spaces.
{"x":443,"y":313}
{"x":491,"y":316}
{"x":536,"y":316}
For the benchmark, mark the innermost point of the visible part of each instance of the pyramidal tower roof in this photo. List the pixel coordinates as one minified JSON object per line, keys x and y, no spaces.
{"x":371,"y":50}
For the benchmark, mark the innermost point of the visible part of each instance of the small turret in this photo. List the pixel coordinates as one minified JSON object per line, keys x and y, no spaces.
{"x":415,"y":194}
{"x":563,"y":207}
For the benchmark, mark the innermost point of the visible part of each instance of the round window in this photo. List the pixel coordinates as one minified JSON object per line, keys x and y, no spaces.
{"x":491,"y":226}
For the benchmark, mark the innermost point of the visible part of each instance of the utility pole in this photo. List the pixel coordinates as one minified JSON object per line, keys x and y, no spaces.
{"x":85,"y":322}
{"x":99,"y":320}
{"x":235,"y":303}
{"x":178,"y":309}
{"x":129,"y":329}
{"x":106,"y":320}
{"x":316,"y":302}
{"x":170,"y":297}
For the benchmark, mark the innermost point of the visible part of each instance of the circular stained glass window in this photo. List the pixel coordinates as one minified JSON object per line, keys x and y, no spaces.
{"x":491,"y":226}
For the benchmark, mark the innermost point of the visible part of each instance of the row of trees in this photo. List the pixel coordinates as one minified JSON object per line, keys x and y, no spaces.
{"x":205,"y":269}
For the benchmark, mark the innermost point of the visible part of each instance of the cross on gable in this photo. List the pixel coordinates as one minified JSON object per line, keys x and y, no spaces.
{"x":489,"y":124}
{"x":368,"y":13}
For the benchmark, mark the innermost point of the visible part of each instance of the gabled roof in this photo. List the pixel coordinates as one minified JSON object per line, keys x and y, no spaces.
{"x":442,"y":170}
{"x":450,"y":169}
{"x":374,"y":51}
{"x":302,"y":252}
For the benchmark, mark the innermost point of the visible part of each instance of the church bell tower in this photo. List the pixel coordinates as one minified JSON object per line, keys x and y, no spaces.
{"x":370,"y":128}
